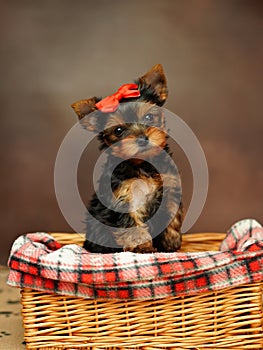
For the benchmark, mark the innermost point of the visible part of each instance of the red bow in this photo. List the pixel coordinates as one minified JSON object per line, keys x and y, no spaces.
{"x":111,"y":103}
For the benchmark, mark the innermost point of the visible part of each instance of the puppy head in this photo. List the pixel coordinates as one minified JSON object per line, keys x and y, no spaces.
{"x":134,"y":128}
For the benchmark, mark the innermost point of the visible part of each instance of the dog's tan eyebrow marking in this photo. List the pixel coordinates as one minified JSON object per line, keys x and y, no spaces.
{"x":114,"y":120}
{"x":145,"y":108}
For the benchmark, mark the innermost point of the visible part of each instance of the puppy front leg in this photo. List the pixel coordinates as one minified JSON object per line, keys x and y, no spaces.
{"x":170,"y":240}
{"x":137,"y":238}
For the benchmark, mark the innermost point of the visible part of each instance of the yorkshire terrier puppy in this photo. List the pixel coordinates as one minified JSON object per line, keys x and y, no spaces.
{"x":131,"y":127}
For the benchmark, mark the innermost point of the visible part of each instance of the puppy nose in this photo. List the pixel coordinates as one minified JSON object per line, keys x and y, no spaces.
{"x":142,"y":141}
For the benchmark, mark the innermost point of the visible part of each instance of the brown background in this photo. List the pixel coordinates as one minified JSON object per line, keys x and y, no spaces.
{"x":55,"y":52}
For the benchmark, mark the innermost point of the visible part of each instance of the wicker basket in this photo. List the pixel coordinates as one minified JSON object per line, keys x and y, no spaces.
{"x":227,"y":319}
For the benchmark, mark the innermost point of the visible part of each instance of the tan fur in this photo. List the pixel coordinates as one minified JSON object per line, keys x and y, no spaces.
{"x":125,"y":148}
{"x":114,"y":120}
{"x":172,"y":237}
{"x":135,"y":239}
{"x":137,"y":192}
{"x":156,"y":136}
{"x":83,"y":108}
{"x":156,"y":77}
{"x":128,"y":148}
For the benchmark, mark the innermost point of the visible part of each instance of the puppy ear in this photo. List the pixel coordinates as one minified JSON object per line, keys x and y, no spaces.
{"x":153,"y":85}
{"x":83,"y":108}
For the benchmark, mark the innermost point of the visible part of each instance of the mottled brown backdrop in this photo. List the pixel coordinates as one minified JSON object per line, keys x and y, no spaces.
{"x":54,"y":52}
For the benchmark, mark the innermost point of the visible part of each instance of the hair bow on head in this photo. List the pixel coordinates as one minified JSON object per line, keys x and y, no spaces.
{"x":110,"y":103}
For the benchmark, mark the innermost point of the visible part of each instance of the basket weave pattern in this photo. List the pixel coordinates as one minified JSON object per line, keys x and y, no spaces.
{"x":227,"y":319}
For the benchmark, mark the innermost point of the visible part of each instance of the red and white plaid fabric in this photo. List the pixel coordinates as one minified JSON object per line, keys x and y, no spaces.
{"x":37,"y":261}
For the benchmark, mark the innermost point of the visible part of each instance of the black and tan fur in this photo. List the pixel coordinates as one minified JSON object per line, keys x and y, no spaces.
{"x":136,"y":183}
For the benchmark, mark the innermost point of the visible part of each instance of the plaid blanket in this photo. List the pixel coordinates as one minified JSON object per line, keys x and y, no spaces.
{"x":37,"y":261}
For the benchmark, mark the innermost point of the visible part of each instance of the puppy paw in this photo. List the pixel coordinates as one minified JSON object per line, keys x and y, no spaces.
{"x":172,"y":240}
{"x":135,"y":239}
{"x":146,"y":247}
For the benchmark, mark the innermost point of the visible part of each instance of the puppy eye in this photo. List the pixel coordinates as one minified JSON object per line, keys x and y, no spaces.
{"x":148,"y":118}
{"x":118,"y":131}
